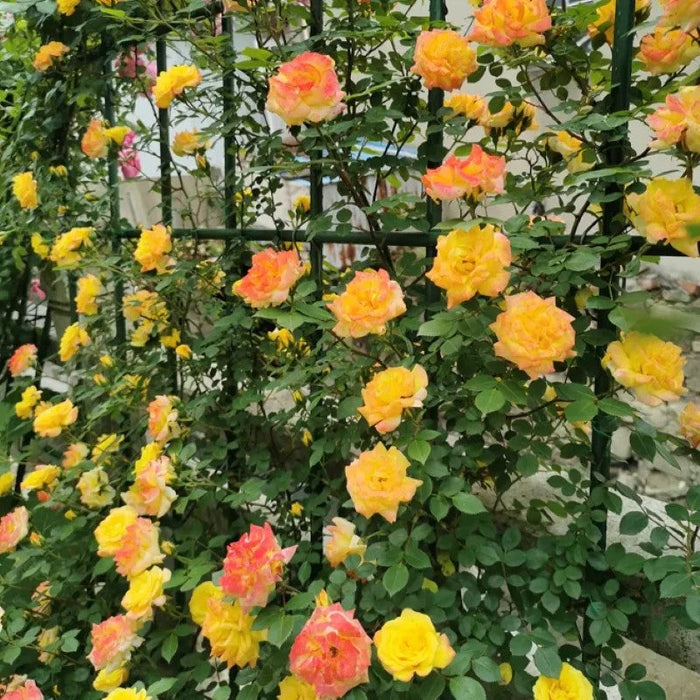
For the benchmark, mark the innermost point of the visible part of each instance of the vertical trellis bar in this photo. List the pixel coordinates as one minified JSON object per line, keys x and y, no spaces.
{"x":614,"y":147}
{"x":315,"y":169}
{"x":166,"y":187}
{"x":228,"y":88}
{"x":113,"y":186}
{"x":435,"y":148}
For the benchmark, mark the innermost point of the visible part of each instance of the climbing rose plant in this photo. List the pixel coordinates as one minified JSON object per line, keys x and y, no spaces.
{"x":235,"y":474}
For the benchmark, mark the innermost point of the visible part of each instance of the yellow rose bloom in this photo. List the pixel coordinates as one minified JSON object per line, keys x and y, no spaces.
{"x":229,"y":632}
{"x":50,"y":420}
{"x":283,"y":337}
{"x":64,"y":251}
{"x":377,"y":482}
{"x":605,"y":18}
{"x":67,"y":7}
{"x":117,"y":134}
{"x":571,"y":149}
{"x":649,"y":366}
{"x":149,"y":452}
{"x":110,"y":532}
{"x":533,"y":333}
{"x":570,"y":684}
{"x":340,"y":541}
{"x":89,"y":287}
{"x":24,"y":190}
{"x":94,"y":487}
{"x":152,"y":249}
{"x":187,"y":143}
{"x":510,"y":118}
{"x":30,"y":398}
{"x":471,"y":262}
{"x":128,"y":694}
{"x":443,"y":58}
{"x":663,"y":212}
{"x":410,"y":645}
{"x":46,"y":638}
{"x":389,"y":393}
{"x":74,"y":455}
{"x":145,"y":591}
{"x":184,"y":351}
{"x":39,"y":247}
{"x":199,"y":601}
{"x":7,"y":482}
{"x":58,"y":170}
{"x":95,"y":141}
{"x":689,"y":420}
{"x":471,"y":107}
{"x":172,"y":82}
{"x":106,"y":681}
{"x":105,"y":445}
{"x":293,"y":688}
{"x":43,"y":476}
{"x":44,"y":57}
{"x":73,"y":338}
{"x":302,"y":204}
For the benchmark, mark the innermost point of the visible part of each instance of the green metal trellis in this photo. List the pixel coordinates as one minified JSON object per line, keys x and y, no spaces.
{"x":619,"y":101}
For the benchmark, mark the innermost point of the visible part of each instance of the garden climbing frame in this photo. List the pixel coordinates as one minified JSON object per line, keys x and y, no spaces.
{"x":618,"y":101}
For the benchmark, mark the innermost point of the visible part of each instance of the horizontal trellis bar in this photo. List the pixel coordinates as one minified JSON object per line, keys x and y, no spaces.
{"x":412,"y":239}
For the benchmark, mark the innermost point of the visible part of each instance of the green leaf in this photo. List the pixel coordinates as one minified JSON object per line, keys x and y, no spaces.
{"x":489,"y":401}
{"x":486,"y":669}
{"x":548,"y":662}
{"x":465,"y":688}
{"x":692,"y":606}
{"x":162,"y":685}
{"x":167,"y":651}
{"x":438,"y":327}
{"x":613,"y":407}
{"x":676,"y":585}
{"x":419,"y":450}
{"x":527,"y":465}
{"x":395,"y":579}
{"x":643,"y":445}
{"x":280,"y":629}
{"x":468,"y":503}
{"x":633,"y":523}
{"x":582,"y":410}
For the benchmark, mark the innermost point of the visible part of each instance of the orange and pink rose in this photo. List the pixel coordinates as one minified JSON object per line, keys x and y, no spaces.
{"x":389,"y":393}
{"x":667,"y":50}
{"x":139,"y":548}
{"x":471,"y":262}
{"x":443,"y":59}
{"x":162,"y":419}
{"x":26,"y":690}
{"x":306,"y":89}
{"x":113,"y":640}
{"x":368,"y":303}
{"x":14,"y":527}
{"x":533,"y":333}
{"x":270,"y":278}
{"x":678,"y":121}
{"x":504,"y":22}
{"x":472,"y":177}
{"x":377,"y":482}
{"x":22,"y":359}
{"x":652,"y":368}
{"x":332,"y":652}
{"x":253,"y":566}
{"x":663,"y":212}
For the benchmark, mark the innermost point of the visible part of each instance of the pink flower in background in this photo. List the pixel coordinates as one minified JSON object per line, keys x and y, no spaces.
{"x":36,"y":291}
{"x":133,"y":64}
{"x":128,"y":158}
